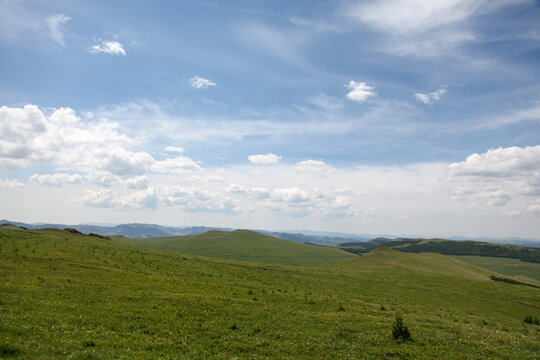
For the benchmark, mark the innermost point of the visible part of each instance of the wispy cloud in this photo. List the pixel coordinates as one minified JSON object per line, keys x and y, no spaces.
{"x":423,"y":27}
{"x":319,"y":25}
{"x":360,"y":91}
{"x":55,"y":24}
{"x":431,"y":97}
{"x":108,"y":47}
{"x":200,"y":83}
{"x":326,"y":102}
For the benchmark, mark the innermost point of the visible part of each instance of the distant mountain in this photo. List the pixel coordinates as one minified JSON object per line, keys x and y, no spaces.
{"x":312,"y":239}
{"x":135,"y":230}
{"x":144,"y":231}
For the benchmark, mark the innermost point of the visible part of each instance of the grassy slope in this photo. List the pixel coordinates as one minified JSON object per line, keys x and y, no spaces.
{"x":433,"y":263}
{"x":246,"y":245}
{"x":512,"y":267}
{"x":78,"y":297}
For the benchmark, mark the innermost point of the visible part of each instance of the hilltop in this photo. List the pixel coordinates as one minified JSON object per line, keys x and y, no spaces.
{"x":245,"y":245}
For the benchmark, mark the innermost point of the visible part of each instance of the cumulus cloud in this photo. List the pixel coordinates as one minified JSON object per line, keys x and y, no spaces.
{"x":119,"y":161}
{"x":264,"y":159}
{"x":494,"y":178}
{"x":108,"y":47}
{"x":11,"y":184}
{"x":500,"y":163}
{"x":62,"y":139}
{"x":200,"y":83}
{"x":147,"y":199}
{"x":360,"y":91}
{"x":99,"y":199}
{"x":297,"y":202}
{"x":56,"y":180}
{"x":138,"y":182}
{"x":431,"y":97}
{"x":55,"y":24}
{"x":314,"y":166}
{"x":194,"y":199}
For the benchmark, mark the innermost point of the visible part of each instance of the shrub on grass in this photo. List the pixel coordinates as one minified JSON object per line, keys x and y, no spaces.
{"x":8,"y":350}
{"x":400,"y":331}
{"x":530,"y":320}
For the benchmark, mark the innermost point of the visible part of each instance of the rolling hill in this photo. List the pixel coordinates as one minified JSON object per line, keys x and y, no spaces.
{"x":245,"y":245}
{"x":447,"y":247}
{"x":68,"y":295}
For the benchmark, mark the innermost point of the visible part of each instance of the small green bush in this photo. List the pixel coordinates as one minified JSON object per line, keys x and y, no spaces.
{"x":400,"y":331}
{"x":530,"y":320}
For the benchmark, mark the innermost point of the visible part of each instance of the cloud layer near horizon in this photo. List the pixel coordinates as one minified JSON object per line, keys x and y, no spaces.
{"x":104,"y":168}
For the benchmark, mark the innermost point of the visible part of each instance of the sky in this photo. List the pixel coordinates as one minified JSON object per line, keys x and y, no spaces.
{"x":395,"y":117}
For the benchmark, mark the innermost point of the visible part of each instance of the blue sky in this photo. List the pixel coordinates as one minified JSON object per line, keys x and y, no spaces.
{"x":386,"y":117}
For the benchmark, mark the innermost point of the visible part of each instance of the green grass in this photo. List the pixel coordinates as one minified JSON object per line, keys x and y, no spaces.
{"x":245,"y":245}
{"x":77,"y":297}
{"x":506,"y":266}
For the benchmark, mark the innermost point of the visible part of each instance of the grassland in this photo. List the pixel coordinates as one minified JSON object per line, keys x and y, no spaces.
{"x":245,"y":245}
{"x":506,"y":266}
{"x":73,"y":296}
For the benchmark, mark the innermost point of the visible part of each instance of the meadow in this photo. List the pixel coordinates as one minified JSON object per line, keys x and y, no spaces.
{"x":74,"y":296}
{"x":505,"y":266}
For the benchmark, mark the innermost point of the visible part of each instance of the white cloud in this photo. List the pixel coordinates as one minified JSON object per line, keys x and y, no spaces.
{"x":63,"y":139}
{"x":99,"y":199}
{"x":360,"y":91}
{"x":194,"y":199}
{"x":147,"y":199}
{"x":175,"y":149}
{"x":496,"y":177}
{"x":264,"y":159}
{"x":429,"y":98}
{"x":500,"y":163}
{"x":314,"y":166}
{"x":138,"y":182}
{"x":56,"y":180}
{"x":119,"y":161}
{"x":103,"y":178}
{"x":176,"y":165}
{"x":55,"y":24}
{"x":109,"y":47}
{"x":11,"y":184}
{"x":200,"y":83}
{"x":535,"y":209}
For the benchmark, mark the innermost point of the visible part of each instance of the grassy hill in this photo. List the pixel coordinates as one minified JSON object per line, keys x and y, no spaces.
{"x":429,"y":263}
{"x":247,"y":246}
{"x":521,"y":270}
{"x":65,"y":295}
{"x":447,"y":247}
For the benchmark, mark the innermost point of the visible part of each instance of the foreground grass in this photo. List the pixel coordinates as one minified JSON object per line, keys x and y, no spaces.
{"x":78,"y":297}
